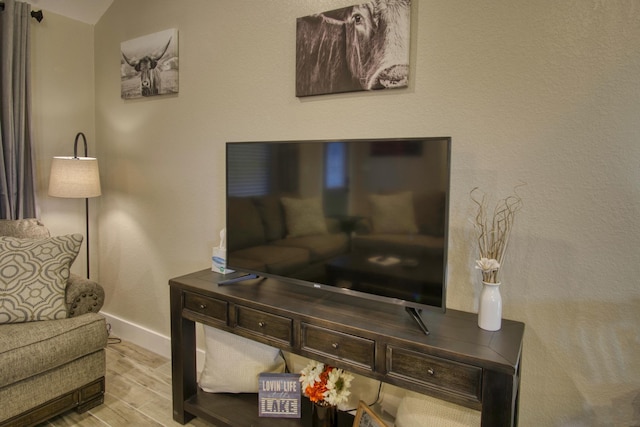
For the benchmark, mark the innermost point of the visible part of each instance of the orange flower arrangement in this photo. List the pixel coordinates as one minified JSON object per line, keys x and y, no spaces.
{"x":325,"y":385}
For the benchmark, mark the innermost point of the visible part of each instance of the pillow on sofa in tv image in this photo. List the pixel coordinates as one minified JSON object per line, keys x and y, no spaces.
{"x":33,"y":277}
{"x":393,"y":213}
{"x":233,"y":363}
{"x":304,"y":217}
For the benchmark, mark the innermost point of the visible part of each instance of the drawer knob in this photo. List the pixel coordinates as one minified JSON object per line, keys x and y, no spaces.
{"x":203,"y":306}
{"x":262,"y":324}
{"x":431,"y":371}
{"x":335,"y":345}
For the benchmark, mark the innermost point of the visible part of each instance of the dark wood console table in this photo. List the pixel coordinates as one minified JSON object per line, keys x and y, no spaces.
{"x":458,"y":362}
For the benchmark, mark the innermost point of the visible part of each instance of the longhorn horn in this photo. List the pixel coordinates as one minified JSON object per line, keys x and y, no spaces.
{"x":155,"y":58}
{"x":328,"y":20}
{"x":128,"y":61}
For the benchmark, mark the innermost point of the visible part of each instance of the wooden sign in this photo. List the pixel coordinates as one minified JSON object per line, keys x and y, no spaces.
{"x":279,"y":395}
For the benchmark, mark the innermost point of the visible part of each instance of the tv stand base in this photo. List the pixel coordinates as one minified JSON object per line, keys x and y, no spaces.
{"x":238,"y":279}
{"x":415,"y":314}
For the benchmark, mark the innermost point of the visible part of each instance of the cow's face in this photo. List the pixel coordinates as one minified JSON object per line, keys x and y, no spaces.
{"x":358,"y":47}
{"x":378,"y":43}
{"x":146,"y":67}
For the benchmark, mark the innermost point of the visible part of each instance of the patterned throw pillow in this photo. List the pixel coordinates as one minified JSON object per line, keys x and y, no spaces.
{"x":393,"y":213}
{"x":304,"y":217}
{"x":33,"y":277}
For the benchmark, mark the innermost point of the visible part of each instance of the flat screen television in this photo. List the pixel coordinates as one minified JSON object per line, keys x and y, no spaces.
{"x":366,"y":217}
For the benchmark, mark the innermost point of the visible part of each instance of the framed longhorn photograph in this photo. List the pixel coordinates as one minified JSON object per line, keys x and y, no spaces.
{"x":356,"y":48}
{"x":149,"y":65}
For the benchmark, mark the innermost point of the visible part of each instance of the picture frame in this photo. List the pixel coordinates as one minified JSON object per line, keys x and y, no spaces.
{"x":362,"y":47}
{"x":149,"y":65}
{"x":365,"y":417}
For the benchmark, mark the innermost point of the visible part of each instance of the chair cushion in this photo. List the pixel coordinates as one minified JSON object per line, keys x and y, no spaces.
{"x":320,"y":247}
{"x":33,"y":277}
{"x":28,"y":349}
{"x":276,"y":259}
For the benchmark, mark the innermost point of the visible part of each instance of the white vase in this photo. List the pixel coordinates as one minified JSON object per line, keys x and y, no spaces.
{"x":490,"y":307}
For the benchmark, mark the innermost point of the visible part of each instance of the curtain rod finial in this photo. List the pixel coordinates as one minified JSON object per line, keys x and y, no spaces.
{"x":37,"y":14}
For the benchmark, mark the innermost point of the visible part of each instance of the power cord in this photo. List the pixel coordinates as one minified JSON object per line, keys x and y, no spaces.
{"x":110,"y":339}
{"x":286,"y":367}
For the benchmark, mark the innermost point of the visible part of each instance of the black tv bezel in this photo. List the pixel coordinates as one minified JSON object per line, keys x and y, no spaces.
{"x":252,"y":274}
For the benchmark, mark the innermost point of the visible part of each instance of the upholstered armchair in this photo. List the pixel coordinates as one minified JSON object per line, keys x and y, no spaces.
{"x":52,"y":338}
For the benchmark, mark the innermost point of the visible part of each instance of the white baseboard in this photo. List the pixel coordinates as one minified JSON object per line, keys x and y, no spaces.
{"x":145,"y":338}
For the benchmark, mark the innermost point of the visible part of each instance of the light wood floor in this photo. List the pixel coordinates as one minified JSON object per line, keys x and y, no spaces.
{"x":138,"y":393}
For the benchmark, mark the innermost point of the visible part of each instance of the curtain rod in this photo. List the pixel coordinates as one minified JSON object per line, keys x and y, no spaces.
{"x":35,"y":14}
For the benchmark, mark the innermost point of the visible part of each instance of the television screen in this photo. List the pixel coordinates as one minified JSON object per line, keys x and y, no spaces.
{"x":365,"y":217}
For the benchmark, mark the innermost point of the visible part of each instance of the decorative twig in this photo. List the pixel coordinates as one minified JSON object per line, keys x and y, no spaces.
{"x":493,"y":233}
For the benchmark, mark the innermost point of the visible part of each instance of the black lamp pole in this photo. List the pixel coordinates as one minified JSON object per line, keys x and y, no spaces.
{"x":86,"y":200}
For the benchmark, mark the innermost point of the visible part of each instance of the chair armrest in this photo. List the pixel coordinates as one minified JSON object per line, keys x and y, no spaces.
{"x":83,"y":296}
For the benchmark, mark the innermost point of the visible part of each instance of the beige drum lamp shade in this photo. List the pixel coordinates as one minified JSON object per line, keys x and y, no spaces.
{"x":74,"y":177}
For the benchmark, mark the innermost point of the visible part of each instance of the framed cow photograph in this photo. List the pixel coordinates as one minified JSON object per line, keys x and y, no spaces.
{"x":149,"y":65}
{"x":356,"y":48}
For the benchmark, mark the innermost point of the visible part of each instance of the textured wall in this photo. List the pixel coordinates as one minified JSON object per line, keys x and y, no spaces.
{"x":544,"y":92}
{"x":63,"y":105}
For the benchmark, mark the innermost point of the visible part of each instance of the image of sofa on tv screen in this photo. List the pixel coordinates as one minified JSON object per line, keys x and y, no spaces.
{"x":292,"y":237}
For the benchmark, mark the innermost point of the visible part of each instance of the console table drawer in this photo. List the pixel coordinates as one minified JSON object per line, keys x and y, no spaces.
{"x":262,"y":323}
{"x":210,"y":307}
{"x":433,"y":371}
{"x":349,"y":348}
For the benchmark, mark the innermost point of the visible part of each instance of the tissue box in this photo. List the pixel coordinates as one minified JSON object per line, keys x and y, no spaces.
{"x":219,"y":261}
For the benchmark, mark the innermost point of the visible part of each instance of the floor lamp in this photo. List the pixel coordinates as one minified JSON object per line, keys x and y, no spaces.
{"x":76,"y":177}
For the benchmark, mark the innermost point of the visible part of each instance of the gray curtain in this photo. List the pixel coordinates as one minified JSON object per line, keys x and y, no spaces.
{"x":17,"y":169}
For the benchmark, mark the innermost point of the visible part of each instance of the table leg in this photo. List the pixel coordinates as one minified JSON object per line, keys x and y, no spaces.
{"x":499,"y":399}
{"x":183,"y":358}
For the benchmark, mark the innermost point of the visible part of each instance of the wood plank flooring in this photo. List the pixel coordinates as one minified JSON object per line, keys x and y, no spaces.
{"x":138,"y":393}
